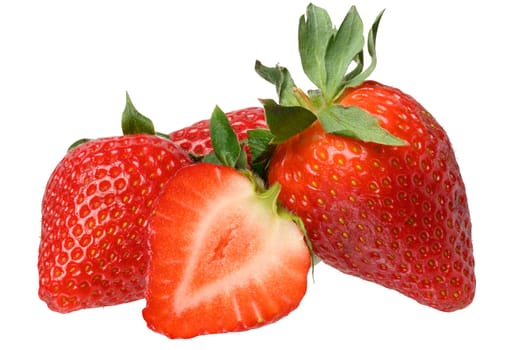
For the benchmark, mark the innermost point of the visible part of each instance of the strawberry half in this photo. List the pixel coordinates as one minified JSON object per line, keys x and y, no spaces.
{"x":95,"y":213}
{"x":368,"y":169}
{"x":224,"y":257}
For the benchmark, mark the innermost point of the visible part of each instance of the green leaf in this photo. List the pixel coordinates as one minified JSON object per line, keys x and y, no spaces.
{"x":343,"y":48}
{"x":286,"y":121}
{"x":359,"y":66}
{"x":77,"y":143}
{"x":224,"y":140}
{"x":261,"y":148}
{"x":242,"y":162}
{"x":281,"y":78}
{"x":133,"y":122}
{"x":163,"y":135}
{"x":211,"y":158}
{"x":259,"y":141}
{"x":359,"y":77}
{"x":315,"y":32}
{"x":356,"y":123}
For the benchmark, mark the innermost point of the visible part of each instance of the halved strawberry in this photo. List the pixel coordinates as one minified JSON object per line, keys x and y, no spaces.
{"x":224,"y":256}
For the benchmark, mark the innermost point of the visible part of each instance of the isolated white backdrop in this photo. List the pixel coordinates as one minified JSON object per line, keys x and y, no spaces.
{"x":64,"y":70}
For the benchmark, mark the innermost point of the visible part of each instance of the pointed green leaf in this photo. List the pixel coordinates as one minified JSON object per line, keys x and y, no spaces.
{"x":259,"y":141}
{"x":224,"y":140}
{"x":242,"y":162}
{"x":261,"y":148}
{"x":133,"y":122}
{"x":343,"y":48}
{"x":281,"y":78}
{"x":356,"y":79}
{"x":356,"y":123}
{"x":359,"y":66}
{"x":315,"y":32}
{"x":77,"y":143}
{"x":286,"y":121}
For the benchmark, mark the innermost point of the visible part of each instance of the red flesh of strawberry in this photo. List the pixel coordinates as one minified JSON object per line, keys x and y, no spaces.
{"x":221,"y":259}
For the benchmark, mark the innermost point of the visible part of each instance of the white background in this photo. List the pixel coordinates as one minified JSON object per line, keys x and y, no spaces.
{"x":64,"y":70}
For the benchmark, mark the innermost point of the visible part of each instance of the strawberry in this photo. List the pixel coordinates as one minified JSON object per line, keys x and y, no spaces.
{"x":224,"y":257}
{"x":95,"y":212}
{"x":369,"y":170}
{"x":195,"y":139}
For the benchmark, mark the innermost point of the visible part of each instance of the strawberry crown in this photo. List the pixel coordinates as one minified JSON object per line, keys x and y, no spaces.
{"x":333,"y":59}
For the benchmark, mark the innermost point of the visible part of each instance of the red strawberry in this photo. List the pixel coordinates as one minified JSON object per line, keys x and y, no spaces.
{"x":195,"y":139}
{"x":224,"y":257}
{"x":374,"y":176}
{"x":95,"y":212}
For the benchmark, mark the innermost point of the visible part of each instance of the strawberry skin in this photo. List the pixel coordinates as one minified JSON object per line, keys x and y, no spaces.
{"x":195,"y":139}
{"x":397,"y":216}
{"x":95,"y":211}
{"x":222,"y":260}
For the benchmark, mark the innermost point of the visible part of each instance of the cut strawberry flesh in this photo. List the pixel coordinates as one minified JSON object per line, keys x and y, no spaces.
{"x":222,"y":260}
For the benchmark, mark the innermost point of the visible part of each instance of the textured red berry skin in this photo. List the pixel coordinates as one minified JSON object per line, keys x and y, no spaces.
{"x":397,"y":216}
{"x":195,"y":139}
{"x":95,"y":212}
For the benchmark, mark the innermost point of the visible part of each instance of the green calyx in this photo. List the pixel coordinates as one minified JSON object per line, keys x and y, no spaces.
{"x":333,"y":59}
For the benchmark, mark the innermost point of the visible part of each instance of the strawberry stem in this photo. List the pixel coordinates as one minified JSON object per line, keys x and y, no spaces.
{"x":270,"y":197}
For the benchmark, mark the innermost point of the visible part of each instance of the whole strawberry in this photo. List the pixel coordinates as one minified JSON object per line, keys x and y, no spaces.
{"x":369,"y":170}
{"x":95,"y":212}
